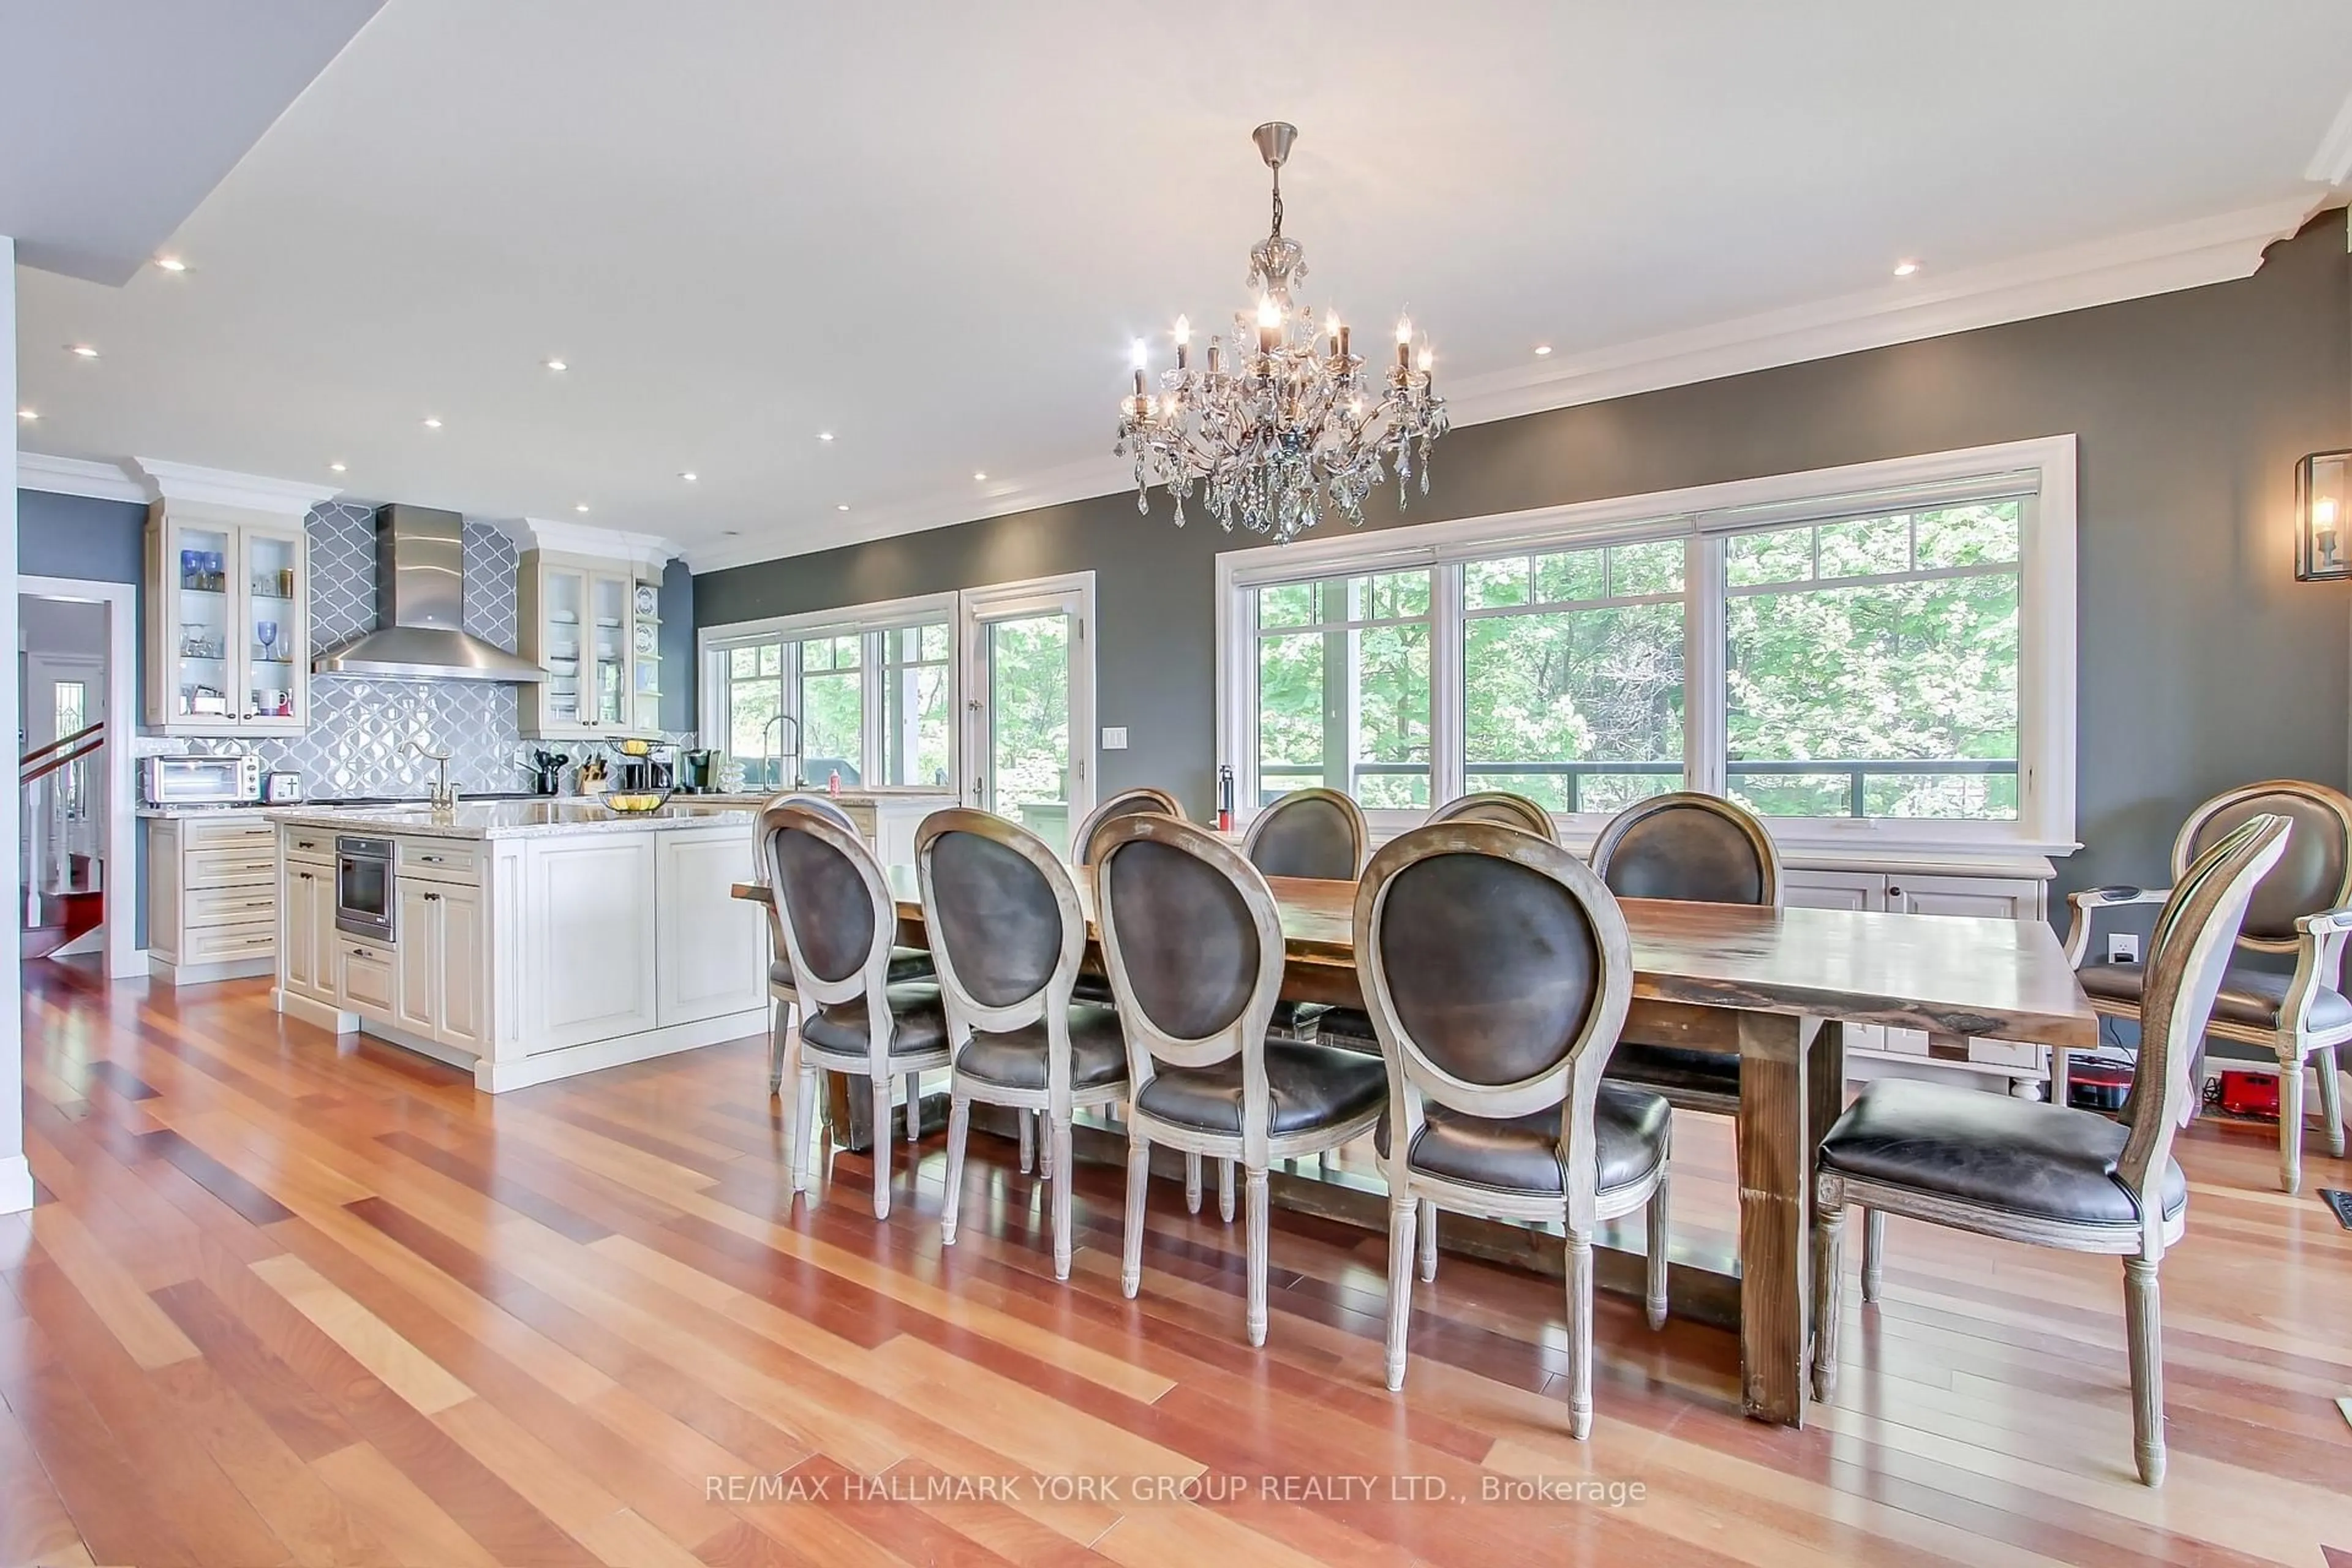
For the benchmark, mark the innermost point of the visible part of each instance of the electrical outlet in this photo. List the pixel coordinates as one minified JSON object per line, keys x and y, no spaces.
{"x":2123,"y":947}
{"x":1114,"y":737}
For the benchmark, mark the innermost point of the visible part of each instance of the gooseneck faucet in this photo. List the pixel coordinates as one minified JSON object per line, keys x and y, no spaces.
{"x":445,"y":794}
{"x":772,"y":763}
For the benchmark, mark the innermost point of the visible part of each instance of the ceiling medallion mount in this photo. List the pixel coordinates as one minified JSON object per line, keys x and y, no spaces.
{"x":1293,"y":425}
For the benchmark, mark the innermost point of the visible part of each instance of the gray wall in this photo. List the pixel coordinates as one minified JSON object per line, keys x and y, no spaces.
{"x":2203,"y":662}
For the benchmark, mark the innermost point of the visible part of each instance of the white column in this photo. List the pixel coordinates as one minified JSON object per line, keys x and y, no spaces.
{"x":16,"y":1176}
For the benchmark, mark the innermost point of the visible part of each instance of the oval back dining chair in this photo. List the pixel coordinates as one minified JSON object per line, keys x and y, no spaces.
{"x":1497,"y":971}
{"x":1502,"y":806}
{"x":1691,"y":848}
{"x":2049,"y":1175}
{"x":905,"y":963}
{"x":2264,"y":1021}
{"x":1006,"y":936}
{"x":837,"y":922}
{"x":1193,"y":943}
{"x":1313,"y":833}
{"x":1125,"y":803}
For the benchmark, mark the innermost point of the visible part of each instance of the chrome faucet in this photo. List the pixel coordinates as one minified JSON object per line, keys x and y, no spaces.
{"x":445,"y":794}
{"x":777,"y":757}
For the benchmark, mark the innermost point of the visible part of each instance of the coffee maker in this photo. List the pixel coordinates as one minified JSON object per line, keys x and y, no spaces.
{"x":697,"y":770}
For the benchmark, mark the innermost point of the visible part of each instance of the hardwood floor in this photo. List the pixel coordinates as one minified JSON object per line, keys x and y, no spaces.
{"x":286,"y":1302}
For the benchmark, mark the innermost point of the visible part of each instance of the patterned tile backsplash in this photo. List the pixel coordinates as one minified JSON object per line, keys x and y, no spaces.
{"x":360,"y":729}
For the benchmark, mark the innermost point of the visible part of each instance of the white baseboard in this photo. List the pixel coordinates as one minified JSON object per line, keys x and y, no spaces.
{"x":15,"y":1185}
{"x":542,"y":1066}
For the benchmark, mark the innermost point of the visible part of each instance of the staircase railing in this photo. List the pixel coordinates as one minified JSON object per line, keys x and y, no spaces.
{"x":55,"y":794}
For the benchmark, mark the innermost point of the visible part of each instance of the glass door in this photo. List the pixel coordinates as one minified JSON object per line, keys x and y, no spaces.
{"x":277,"y":651}
{"x":1030,"y":676}
{"x":608,"y":643}
{"x":202,"y":657}
{"x":564,"y":605}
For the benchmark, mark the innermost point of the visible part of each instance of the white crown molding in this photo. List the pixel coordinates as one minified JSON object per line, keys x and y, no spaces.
{"x":604,"y":544}
{"x":76,"y":477}
{"x":2190,"y":255}
{"x":2331,"y":164}
{"x":219,"y":487}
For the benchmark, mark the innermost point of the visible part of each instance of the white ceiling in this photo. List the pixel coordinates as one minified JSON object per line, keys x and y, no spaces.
{"x":933,"y":229}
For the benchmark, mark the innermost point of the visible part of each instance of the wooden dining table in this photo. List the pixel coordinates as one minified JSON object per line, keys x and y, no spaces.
{"x":1777,"y":986}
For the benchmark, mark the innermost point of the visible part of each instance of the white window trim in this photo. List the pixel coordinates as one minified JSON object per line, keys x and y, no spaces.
{"x":2046,"y":616}
{"x":965,"y":612}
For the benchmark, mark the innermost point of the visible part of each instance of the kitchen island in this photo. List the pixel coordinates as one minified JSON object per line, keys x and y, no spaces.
{"x":524,"y":939}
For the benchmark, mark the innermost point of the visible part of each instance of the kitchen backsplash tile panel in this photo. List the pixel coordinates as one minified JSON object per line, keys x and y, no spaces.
{"x":360,"y":729}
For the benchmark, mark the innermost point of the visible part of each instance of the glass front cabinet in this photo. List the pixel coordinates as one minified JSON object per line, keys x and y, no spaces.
{"x":228,"y":629}
{"x":594,"y":626}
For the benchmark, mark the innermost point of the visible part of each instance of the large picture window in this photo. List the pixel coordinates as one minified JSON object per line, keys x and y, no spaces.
{"x":1886,"y":649}
{"x":869,"y":702}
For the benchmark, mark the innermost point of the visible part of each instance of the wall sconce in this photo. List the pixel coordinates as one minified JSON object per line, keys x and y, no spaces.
{"x":2323,"y":511}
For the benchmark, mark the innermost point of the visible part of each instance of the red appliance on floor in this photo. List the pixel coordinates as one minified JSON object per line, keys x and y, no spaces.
{"x":2249,"y":1094}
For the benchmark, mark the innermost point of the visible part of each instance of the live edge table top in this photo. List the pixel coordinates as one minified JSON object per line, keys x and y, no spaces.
{"x":1950,"y":976}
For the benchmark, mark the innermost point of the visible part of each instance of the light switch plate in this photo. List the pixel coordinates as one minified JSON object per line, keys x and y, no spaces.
{"x":1115,"y":737}
{"x":2123,"y":947}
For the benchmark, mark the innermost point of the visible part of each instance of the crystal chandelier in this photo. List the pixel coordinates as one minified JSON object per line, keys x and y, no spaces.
{"x":1293,"y":424}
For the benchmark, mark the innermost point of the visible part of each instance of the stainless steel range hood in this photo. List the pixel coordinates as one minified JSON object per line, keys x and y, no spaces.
{"x":420,"y":588}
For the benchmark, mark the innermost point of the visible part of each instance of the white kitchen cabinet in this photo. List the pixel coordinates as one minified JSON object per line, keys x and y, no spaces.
{"x":212,"y":897}
{"x":588,"y":948}
{"x":593,"y":624}
{"x":460,"y":1013}
{"x":365,"y":977}
{"x":227,"y":623}
{"x":1942,"y":891}
{"x":438,"y":993}
{"x":416,"y":938}
{"x":305,"y":935}
{"x":711,"y":945}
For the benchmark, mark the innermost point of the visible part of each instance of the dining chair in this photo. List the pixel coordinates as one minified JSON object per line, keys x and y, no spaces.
{"x":1319,"y":835}
{"x":1125,"y":803}
{"x":2048,"y":1173}
{"x":2263,"y":1020}
{"x":837,"y":923}
{"x":1497,"y":971}
{"x":1194,"y":946}
{"x":1498,"y":805}
{"x":905,"y":963}
{"x":1007,"y":934}
{"x":1692,"y":848}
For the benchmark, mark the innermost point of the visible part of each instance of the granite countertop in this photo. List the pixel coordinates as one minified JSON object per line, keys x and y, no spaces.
{"x":860,"y":796}
{"x":506,"y":819}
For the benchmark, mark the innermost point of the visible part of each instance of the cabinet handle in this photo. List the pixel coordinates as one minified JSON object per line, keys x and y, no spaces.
{"x":360,"y":952}
{"x":431,"y":897}
{"x":305,"y":876}
{"x":257,"y":903}
{"x":1893,"y":892}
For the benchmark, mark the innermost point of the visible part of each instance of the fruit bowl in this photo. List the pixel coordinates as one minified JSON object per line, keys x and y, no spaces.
{"x":636,"y":801}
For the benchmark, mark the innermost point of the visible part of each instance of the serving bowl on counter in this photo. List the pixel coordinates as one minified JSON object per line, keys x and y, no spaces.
{"x":634,"y":802}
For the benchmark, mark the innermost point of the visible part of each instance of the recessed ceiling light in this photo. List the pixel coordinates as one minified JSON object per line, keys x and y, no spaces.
{"x":27,"y":414}
{"x":824,"y":434}
{"x":1542,"y":349}
{"x":980,"y":477}
{"x":689,"y":475}
{"x":1905,"y":269}
{"x":431,"y":423}
{"x":843,"y":507}
{"x":556,"y":364}
{"x":171,"y":264}
{"x":81,"y":351}
{"x":335,"y":468}
{"x":582,"y":507}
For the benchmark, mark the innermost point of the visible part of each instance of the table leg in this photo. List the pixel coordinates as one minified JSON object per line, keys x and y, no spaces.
{"x":1776,"y":1113}
{"x":1825,"y":1103}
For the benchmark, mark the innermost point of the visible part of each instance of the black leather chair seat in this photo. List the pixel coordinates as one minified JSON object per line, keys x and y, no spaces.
{"x":1016,"y":1057}
{"x":2254,"y":998}
{"x":906,"y":964}
{"x":1310,"y":1086}
{"x":919,"y":1023}
{"x":1522,"y":1153}
{"x":2021,"y":1156}
{"x":1677,"y":1070}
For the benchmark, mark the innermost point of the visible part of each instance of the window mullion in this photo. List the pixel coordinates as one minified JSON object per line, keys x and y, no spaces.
{"x":1448,"y":628}
{"x":1705,"y":645}
{"x":870,"y":716}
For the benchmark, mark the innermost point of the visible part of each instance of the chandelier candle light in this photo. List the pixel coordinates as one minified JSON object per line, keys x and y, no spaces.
{"x":1294,"y":424}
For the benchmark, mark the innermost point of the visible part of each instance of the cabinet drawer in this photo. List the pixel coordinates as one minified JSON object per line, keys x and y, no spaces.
{"x":240,"y":866}
{"x":310,"y":844}
{"x":364,"y":978}
{"x":447,"y":859}
{"x":231,"y":904}
{"x":227,"y":943}
{"x":250,"y":834}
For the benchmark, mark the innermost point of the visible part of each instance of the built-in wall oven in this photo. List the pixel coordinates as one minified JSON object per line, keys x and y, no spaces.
{"x":363,"y":890}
